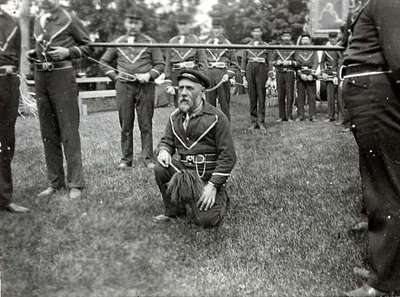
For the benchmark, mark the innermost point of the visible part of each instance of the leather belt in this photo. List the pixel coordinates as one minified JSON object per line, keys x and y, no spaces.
{"x":51,"y":66}
{"x":217,"y":65}
{"x":199,"y":158}
{"x":256,"y":60}
{"x":354,"y":70}
{"x":5,"y":70}
{"x":184,"y":65}
{"x":284,"y":70}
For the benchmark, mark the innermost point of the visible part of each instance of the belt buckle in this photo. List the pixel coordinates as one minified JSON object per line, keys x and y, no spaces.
{"x":202,"y":157}
{"x":48,"y":66}
{"x":190,"y":159}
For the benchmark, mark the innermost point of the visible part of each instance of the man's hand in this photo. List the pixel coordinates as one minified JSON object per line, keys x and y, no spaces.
{"x":225,"y":77}
{"x":9,"y":69}
{"x":335,"y":81}
{"x":170,"y":90}
{"x":164,"y":158}
{"x":303,"y":76}
{"x":143,"y":77}
{"x":324,"y":76}
{"x":113,"y":76}
{"x":245,"y":82}
{"x":207,"y":199}
{"x":59,"y":53}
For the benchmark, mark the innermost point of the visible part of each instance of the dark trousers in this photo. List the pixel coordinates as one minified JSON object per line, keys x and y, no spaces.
{"x":374,"y":110}
{"x":257,"y":75}
{"x":57,"y":101}
{"x":9,"y":96}
{"x":332,"y":95}
{"x":306,"y":89}
{"x":131,"y":96}
{"x":210,"y":218}
{"x":223,"y":93}
{"x":285,"y":86}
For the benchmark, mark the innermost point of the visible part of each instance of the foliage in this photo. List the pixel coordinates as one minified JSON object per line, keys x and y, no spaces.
{"x":272,"y":15}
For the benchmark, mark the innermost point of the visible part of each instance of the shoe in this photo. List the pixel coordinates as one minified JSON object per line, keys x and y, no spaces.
{"x":361,"y":272}
{"x":339,"y":123}
{"x":365,"y":291}
{"x":358,"y":228}
{"x":124,"y":165}
{"x":253,"y":126}
{"x":46,"y":193}
{"x":345,"y":130}
{"x":290,"y":120}
{"x":15,"y":208}
{"x":279,"y":120}
{"x":329,"y":120}
{"x":162,"y":218}
{"x":263,"y":129}
{"x":150,"y":165}
{"x":75,"y":193}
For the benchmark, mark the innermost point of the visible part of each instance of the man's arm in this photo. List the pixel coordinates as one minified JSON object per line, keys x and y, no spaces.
{"x":386,"y":15}
{"x":203,"y":61}
{"x":158,"y":62}
{"x":108,"y":57}
{"x":81,"y":37}
{"x":167,"y":141}
{"x":225,"y":150}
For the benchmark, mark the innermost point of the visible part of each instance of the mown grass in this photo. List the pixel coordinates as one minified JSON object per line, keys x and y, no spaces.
{"x":294,"y":193}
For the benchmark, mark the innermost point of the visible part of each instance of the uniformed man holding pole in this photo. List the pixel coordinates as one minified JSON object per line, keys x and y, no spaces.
{"x":285,"y":66}
{"x":371,"y":90}
{"x":60,"y":37}
{"x":255,"y":62}
{"x":329,"y":67}
{"x":178,"y":59}
{"x":137,"y":69}
{"x":222,"y":65}
{"x":10,"y":50}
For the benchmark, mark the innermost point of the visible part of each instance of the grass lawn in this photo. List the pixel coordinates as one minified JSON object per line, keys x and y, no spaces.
{"x":294,"y":193}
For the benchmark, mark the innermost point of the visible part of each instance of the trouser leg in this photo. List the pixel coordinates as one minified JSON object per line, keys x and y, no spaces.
{"x":330,"y":94}
{"x":301,"y":97}
{"x":311,"y":95}
{"x":145,"y":112}
{"x":224,"y":97}
{"x":126,"y":113}
{"x":252,"y":89}
{"x":261,"y":79}
{"x":63,"y":91}
{"x":9,"y":94}
{"x":290,"y":79}
{"x":281,"y":86}
{"x":50,"y":131}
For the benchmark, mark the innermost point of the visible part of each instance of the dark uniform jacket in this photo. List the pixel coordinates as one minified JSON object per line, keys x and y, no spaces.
{"x":278,"y":56}
{"x":208,"y":132}
{"x":222,"y":55}
{"x":60,"y":28}
{"x":178,"y":55}
{"x":370,"y":46}
{"x":135,"y":60}
{"x":307,"y":61}
{"x":330,"y":62}
{"x":10,"y":40}
{"x":248,"y":54}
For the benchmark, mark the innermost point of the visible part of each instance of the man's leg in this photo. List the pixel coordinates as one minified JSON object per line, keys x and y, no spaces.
{"x":312,"y":94}
{"x":126,"y":113}
{"x":281,"y":88}
{"x":215,"y":215}
{"x":63,"y":91}
{"x":50,"y":131}
{"x":224,"y":97}
{"x":9,"y":94}
{"x":145,"y":111}
{"x":252,"y":89}
{"x":330,"y":94}
{"x":301,"y":97}
{"x":261,"y":79}
{"x":290,"y":79}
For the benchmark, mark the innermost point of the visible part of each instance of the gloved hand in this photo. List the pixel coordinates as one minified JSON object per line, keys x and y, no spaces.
{"x":113,"y":76}
{"x":245,"y":82}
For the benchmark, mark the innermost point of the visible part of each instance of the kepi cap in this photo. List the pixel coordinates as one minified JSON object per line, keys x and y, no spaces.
{"x":194,"y":76}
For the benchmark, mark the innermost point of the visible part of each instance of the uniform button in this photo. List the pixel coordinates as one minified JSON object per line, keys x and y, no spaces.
{"x":353,"y":81}
{"x":187,"y":138}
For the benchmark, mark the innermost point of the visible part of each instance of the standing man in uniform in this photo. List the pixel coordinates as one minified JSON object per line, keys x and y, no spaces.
{"x":200,"y":135}
{"x":60,"y":37}
{"x":256,"y":64}
{"x":137,"y":70}
{"x":285,"y":65}
{"x":222,"y":65}
{"x":307,"y":63}
{"x":178,"y":59}
{"x":371,"y":92}
{"x":10,"y":50}
{"x":330,"y":67}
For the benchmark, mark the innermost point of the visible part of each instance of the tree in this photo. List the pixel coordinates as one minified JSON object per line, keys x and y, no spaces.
{"x":273,"y":16}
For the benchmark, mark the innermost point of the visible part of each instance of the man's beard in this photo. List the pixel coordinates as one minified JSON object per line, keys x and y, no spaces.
{"x":183,"y":105}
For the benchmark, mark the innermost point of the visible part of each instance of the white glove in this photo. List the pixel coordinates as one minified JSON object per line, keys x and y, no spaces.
{"x":170,"y":90}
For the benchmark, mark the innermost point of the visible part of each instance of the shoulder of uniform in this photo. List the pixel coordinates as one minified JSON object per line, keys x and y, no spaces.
{"x":227,"y":41}
{"x":119,"y":39}
{"x":68,"y":14}
{"x":173,"y":39}
{"x":148,"y":38}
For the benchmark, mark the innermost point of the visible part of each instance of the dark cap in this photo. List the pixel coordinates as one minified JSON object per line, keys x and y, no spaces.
{"x":332,"y":34}
{"x":133,"y":14}
{"x":183,"y":18}
{"x":217,"y":22}
{"x":305,"y":34}
{"x":194,"y":76}
{"x":286,"y":31}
